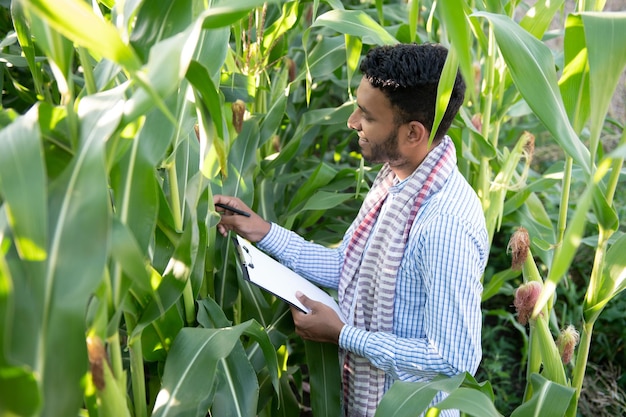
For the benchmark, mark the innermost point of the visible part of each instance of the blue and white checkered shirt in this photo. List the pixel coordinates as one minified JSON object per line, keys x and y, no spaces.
{"x":437,"y":316}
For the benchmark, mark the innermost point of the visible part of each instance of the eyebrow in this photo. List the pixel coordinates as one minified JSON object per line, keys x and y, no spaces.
{"x":363,"y":109}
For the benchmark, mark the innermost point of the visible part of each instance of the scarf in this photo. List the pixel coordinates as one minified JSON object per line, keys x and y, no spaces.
{"x":368,"y":279}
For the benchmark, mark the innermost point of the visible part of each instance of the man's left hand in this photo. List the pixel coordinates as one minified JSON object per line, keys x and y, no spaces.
{"x":321,"y":324}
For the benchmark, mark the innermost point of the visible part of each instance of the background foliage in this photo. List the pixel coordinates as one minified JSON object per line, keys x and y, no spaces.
{"x":121,"y":119}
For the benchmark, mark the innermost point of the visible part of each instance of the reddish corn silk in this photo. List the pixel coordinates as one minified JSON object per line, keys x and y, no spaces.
{"x":526,"y":297}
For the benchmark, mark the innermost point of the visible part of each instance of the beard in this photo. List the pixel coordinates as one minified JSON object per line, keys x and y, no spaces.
{"x":386,"y":151}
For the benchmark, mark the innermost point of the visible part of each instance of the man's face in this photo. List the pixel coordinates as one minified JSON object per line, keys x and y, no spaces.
{"x":374,"y":122}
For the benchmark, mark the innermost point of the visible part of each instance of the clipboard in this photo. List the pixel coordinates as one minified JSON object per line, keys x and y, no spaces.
{"x":275,"y":278}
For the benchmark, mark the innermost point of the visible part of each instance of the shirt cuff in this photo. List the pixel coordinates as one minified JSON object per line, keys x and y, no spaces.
{"x":353,"y":339}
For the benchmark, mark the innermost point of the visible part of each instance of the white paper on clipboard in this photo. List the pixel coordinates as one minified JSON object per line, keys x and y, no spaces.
{"x":274,"y":277}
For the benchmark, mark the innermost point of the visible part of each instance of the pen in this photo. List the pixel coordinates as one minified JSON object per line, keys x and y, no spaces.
{"x":233,"y":209}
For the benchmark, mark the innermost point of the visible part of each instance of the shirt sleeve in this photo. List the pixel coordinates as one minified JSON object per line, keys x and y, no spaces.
{"x":449,"y":257}
{"x":315,"y":262}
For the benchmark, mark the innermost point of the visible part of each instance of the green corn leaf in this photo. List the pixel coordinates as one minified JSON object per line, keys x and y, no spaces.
{"x":564,"y":254}
{"x":408,"y":399}
{"x":199,"y":77}
{"x":76,"y":21}
{"x":152,"y":24}
{"x":539,"y":17}
{"x":605,"y":214}
{"x":126,"y":252}
{"x":495,"y":283}
{"x":485,"y":147}
{"x":454,"y":17}
{"x":242,"y":162}
{"x":134,"y":178}
{"x":532,"y":68}
{"x":549,"y":399}
{"x":237,"y":387}
{"x":255,"y":303}
{"x":172,"y":284}
{"x":503,"y":180}
{"x":469,"y":401}
{"x":189,"y":376}
{"x":320,"y":177}
{"x":325,"y":57}
{"x":212,"y":149}
{"x":23,"y":33}
{"x":22,"y":168}
{"x":574,"y":82}
{"x":604,"y":37}
{"x":612,"y":281}
{"x":324,"y":200}
{"x":19,"y":392}
{"x":227,"y":13}
{"x":273,"y":119}
{"x":354,"y":47}
{"x":444,"y":89}
{"x":355,"y":23}
{"x":328,"y":116}
{"x":79,"y":213}
{"x":280,"y":26}
{"x":414,"y":11}
{"x":325,"y":378}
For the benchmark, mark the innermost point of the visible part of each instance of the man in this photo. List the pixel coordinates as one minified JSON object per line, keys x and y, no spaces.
{"x":408,"y":271}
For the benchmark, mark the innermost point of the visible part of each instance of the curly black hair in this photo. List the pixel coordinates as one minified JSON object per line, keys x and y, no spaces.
{"x":408,"y":74}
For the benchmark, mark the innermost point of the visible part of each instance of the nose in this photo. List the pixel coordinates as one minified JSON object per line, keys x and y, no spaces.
{"x":353,"y":121}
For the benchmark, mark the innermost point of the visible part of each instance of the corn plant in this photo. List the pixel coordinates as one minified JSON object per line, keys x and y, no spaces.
{"x":121,"y":120}
{"x":108,"y":239}
{"x":518,"y":66}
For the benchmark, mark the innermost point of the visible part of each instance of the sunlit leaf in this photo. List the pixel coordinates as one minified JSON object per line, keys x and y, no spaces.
{"x":75,"y":20}
{"x":454,"y":16}
{"x":604,"y":36}
{"x":278,"y":28}
{"x":574,"y":82}
{"x":355,"y":23}
{"x":444,"y":89}
{"x":539,"y":17}
{"x":532,"y":68}
{"x":353,"y":56}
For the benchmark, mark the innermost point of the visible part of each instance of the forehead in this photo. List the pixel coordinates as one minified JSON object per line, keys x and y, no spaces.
{"x":372,"y":99}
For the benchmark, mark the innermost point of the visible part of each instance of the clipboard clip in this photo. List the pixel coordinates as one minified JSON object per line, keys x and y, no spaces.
{"x":243,"y":257}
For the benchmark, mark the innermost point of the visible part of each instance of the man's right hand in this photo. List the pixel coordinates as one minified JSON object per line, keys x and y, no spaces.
{"x":253,"y":228}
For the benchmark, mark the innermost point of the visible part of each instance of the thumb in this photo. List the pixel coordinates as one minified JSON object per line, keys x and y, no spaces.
{"x":306,"y":301}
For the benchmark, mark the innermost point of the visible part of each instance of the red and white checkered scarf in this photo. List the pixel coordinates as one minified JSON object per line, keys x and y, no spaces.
{"x":368,"y":279}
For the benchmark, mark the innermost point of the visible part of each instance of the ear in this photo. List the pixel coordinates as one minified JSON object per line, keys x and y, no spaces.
{"x":418,"y":134}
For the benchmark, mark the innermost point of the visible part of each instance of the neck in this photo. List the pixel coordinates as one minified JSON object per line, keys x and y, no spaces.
{"x":403,"y":169}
